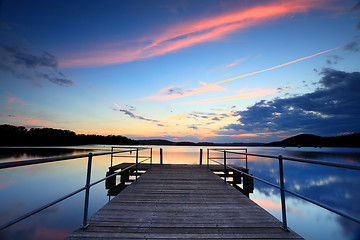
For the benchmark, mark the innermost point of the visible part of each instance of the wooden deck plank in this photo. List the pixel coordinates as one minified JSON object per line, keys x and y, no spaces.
{"x":181,"y":202}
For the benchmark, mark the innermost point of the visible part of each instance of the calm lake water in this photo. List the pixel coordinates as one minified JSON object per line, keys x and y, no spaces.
{"x":23,"y":189}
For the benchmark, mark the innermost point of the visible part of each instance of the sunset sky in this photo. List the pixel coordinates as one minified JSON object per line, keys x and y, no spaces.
{"x":205,"y":70}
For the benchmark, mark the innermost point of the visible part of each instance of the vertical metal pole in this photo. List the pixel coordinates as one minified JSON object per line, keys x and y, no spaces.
{"x":200,"y":156}
{"x":150,"y":157}
{"x":161,"y":156}
{"x":111,"y":161}
{"x":207,"y":158}
{"x":137,"y":160}
{"x":246,"y":158}
{"x":282,"y":192}
{"x":225,"y":166}
{"x":87,"y":193}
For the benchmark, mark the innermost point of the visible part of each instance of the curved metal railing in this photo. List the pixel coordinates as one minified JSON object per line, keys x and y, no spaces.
{"x":87,"y":186}
{"x":281,"y":178}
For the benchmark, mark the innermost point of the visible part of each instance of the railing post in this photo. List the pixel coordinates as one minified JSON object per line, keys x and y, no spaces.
{"x":87,"y":193}
{"x":150,"y":157}
{"x":225,"y":166}
{"x":207,"y":158}
{"x":282,"y":192}
{"x":161,"y":156}
{"x":111,"y":161}
{"x":246,"y":158}
{"x":201,"y":156}
{"x":137,"y":160}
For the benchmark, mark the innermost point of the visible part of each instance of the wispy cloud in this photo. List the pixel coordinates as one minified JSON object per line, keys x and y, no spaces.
{"x":172,"y":92}
{"x":13,"y":100}
{"x":213,"y":86}
{"x":28,"y":121}
{"x":134,"y":115}
{"x":233,"y":64}
{"x":261,"y":71}
{"x":187,"y":34}
{"x":258,"y":93}
{"x":203,"y":115}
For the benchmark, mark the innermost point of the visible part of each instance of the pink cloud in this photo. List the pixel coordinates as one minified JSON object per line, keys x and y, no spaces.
{"x":32,"y":121}
{"x":187,"y":34}
{"x":6,"y":184}
{"x":12,"y":100}
{"x":235,"y":62}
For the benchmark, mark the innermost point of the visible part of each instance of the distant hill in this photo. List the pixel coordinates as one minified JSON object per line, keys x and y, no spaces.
{"x":170,"y":143}
{"x":165,"y":142}
{"x":155,"y":142}
{"x":21,"y":136}
{"x":310,"y":140}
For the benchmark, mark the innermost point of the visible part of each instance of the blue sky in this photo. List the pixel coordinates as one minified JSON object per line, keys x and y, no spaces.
{"x":222,"y":71}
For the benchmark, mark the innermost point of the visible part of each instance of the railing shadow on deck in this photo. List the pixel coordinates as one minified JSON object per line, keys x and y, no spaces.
{"x":243,"y":152}
{"x":87,"y":186}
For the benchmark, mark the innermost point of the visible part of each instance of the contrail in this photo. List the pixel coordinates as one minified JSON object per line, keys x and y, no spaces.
{"x":260,"y":71}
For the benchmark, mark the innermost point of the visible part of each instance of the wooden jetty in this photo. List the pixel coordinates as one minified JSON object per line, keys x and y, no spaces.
{"x":182,"y":202}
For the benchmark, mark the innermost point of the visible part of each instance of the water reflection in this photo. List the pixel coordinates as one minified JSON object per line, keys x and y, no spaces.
{"x":11,"y":154}
{"x":335,"y":187}
{"x":26,"y":188}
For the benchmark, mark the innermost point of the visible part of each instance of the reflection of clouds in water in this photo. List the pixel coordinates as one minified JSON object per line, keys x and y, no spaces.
{"x":322,"y":182}
{"x":350,"y":229}
{"x":334,"y":187}
{"x":6,"y":183}
{"x":271,"y":204}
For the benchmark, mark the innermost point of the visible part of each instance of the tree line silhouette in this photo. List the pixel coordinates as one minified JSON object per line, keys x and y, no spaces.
{"x":22,"y":136}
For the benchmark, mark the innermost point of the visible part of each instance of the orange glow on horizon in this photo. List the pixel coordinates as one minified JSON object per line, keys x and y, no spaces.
{"x":245,"y":135}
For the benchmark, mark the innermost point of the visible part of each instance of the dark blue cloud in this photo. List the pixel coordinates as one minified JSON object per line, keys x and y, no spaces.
{"x":175,"y":90}
{"x":352,"y":46}
{"x":356,"y":10}
{"x":133,"y":115}
{"x":213,"y":116}
{"x":63,"y":82}
{"x":19,"y":61}
{"x":330,"y":109}
{"x":22,"y":56}
{"x":333,"y":59}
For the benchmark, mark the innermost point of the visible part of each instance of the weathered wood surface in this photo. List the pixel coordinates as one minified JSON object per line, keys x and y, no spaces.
{"x":182,"y":202}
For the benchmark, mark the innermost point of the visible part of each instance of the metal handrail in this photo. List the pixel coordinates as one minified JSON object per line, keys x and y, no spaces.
{"x":325,"y":163}
{"x":87,"y":186}
{"x":56,"y":159}
{"x":282,"y":187}
{"x":227,"y":151}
